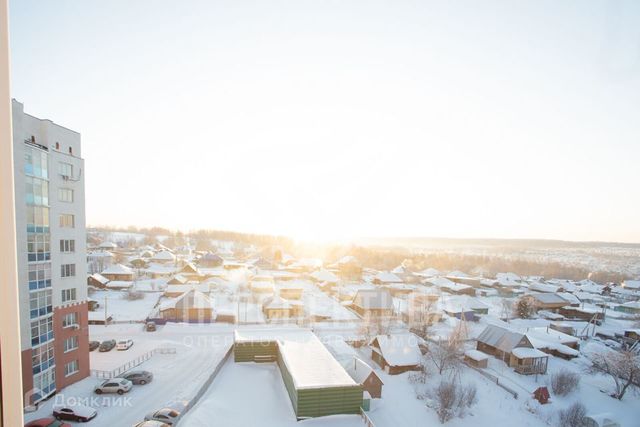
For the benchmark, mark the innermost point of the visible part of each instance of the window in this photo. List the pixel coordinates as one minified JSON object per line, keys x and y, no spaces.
{"x":42,"y":358}
{"x":57,"y":145}
{"x":36,"y":191}
{"x":70,"y":320}
{"x":68,"y":295}
{"x":38,"y":247}
{"x":65,"y":195}
{"x":37,"y":219}
{"x":67,"y":221}
{"x":45,"y":382}
{"x":36,"y":162}
{"x":40,"y":303}
{"x":71,"y":368}
{"x":67,"y":270}
{"x":39,"y":276}
{"x":70,"y":344}
{"x":65,"y":169}
{"x":70,"y":150}
{"x":41,"y":331}
{"x":67,"y":246}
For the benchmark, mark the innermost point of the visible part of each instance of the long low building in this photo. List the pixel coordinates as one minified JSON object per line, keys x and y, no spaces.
{"x":316,"y":383}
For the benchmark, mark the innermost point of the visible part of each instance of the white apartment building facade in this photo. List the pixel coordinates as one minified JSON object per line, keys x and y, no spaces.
{"x":51,"y":245}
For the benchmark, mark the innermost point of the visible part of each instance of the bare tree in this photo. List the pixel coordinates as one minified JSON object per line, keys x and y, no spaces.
{"x":447,"y":354}
{"x":452,"y":400}
{"x":573,"y":416}
{"x":524,"y":308}
{"x":564,"y":382}
{"x":622,"y":366}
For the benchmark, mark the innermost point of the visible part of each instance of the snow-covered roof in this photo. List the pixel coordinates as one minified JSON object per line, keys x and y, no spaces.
{"x":399,"y":349}
{"x":164,"y":255}
{"x":99,"y":278}
{"x":324,"y":276}
{"x":476,"y":355}
{"x":119,"y":284}
{"x":501,"y":338}
{"x":373,"y":299}
{"x":631,"y":284}
{"x":549,"y":298}
{"x":277,"y":302}
{"x":357,"y":369}
{"x":457,"y":273}
{"x":463,"y":303}
{"x":387,"y":277}
{"x":543,"y":287}
{"x":569,"y":297}
{"x":305,"y":357}
{"x":117,"y":269}
{"x":107,"y":245}
{"x":190,"y":299}
{"x":429,"y":272}
{"x":509,"y":277}
{"x":526,"y":353}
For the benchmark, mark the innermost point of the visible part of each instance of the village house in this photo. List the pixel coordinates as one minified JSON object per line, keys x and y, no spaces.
{"x":513,"y":348}
{"x":277,"y":307}
{"x":192,"y":306}
{"x":164,"y":257}
{"x":548,"y":301}
{"x":118,"y":272}
{"x":373,"y":302}
{"x":97,"y":280}
{"x":396,"y":353}
{"x":364,"y":375}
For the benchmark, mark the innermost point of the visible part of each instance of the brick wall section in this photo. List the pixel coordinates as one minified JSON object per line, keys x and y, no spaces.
{"x":81,"y":354}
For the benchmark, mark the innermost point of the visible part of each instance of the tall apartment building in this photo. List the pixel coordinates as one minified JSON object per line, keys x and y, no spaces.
{"x":51,"y":242}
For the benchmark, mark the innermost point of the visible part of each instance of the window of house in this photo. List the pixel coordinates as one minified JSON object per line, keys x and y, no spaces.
{"x":40,"y":303}
{"x":65,"y":195}
{"x":68,"y":295}
{"x":70,"y":150}
{"x":67,"y":270}
{"x":57,"y":145}
{"x":65,"y":169}
{"x":70,"y":319}
{"x":71,"y":368}
{"x":67,"y":221}
{"x":70,"y":344}
{"x":67,"y":246}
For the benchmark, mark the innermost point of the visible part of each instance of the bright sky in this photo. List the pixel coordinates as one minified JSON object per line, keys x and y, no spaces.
{"x":338,"y":119}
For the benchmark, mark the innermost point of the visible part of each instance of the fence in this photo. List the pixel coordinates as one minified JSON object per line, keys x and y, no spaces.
{"x":132,"y":363}
{"x":205,"y":386}
{"x":496,"y":380}
{"x":365,"y":418}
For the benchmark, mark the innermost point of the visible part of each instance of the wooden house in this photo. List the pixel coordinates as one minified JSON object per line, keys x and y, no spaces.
{"x":513,"y":348}
{"x":192,"y":306}
{"x":364,"y":375}
{"x":476,"y":358}
{"x":396,"y":353}
{"x":373,"y":302}
{"x":118,"y":272}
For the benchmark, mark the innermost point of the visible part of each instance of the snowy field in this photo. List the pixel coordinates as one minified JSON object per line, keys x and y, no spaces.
{"x":122,"y":309}
{"x":253,"y":394}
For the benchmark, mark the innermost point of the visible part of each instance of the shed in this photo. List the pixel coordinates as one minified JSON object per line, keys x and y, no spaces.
{"x":316,"y":383}
{"x":364,"y":375}
{"x":97,"y":280}
{"x":476,"y":358}
{"x":396,"y":353}
{"x":118,"y":272}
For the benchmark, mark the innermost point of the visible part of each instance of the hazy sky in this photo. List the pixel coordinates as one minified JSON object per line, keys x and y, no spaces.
{"x":335,"y":119}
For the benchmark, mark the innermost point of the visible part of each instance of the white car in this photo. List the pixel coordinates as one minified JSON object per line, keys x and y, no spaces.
{"x":151,"y":424}
{"x":114,"y":385}
{"x":165,"y":415}
{"x":124,"y":344}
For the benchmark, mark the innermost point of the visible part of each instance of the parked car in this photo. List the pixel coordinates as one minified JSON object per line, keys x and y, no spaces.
{"x":114,"y":385}
{"x":125,"y":344}
{"x":107,"y":345}
{"x":46,"y":422}
{"x":138,"y":377}
{"x":93,"y":345}
{"x":150,"y":326}
{"x":152,"y":424}
{"x":165,"y":415}
{"x":79,"y":413}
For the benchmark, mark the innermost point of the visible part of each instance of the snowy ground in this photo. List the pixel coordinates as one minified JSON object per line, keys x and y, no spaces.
{"x":177,"y":377}
{"x":252,"y":394}
{"x":122,"y":309}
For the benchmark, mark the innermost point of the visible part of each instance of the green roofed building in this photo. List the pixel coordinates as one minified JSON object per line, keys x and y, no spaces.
{"x":316,"y":383}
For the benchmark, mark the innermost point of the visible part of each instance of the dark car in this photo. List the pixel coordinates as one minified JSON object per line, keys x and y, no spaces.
{"x":150,"y":326}
{"x":93,"y":345}
{"x":46,"y":422}
{"x":79,"y":413}
{"x":138,"y":377}
{"x":107,"y":345}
